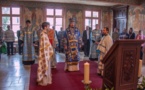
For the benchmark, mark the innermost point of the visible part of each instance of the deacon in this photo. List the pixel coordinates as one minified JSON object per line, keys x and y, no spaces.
{"x":104,"y":46}
{"x":72,"y":43}
{"x":28,"y":37}
{"x":44,"y":76}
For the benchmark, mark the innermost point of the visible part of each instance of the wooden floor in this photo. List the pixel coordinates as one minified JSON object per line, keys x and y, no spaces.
{"x":15,"y":76}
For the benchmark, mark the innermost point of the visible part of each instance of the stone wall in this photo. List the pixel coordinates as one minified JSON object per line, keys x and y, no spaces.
{"x":35,"y":11}
{"x":136,"y":17}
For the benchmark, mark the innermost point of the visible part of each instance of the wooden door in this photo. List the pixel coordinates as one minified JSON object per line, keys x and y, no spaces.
{"x":120,"y":17}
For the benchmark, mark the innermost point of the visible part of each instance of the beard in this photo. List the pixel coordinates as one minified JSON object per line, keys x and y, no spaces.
{"x":72,"y":26}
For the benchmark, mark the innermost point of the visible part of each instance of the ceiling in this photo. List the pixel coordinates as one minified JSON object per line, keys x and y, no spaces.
{"x":85,"y":2}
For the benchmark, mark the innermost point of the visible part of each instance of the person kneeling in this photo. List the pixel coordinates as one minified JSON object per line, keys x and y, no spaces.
{"x":44,"y":62}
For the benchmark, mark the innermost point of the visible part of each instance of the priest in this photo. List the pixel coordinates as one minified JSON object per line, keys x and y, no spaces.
{"x":104,"y":46}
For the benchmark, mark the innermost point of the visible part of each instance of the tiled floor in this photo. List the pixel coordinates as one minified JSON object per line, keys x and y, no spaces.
{"x":15,"y":76}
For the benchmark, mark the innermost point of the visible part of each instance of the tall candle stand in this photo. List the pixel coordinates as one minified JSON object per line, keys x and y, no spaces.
{"x":86,"y":85}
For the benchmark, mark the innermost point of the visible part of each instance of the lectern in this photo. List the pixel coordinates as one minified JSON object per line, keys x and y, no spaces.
{"x":121,"y":65}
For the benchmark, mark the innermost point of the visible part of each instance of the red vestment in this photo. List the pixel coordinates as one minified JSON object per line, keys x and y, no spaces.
{"x":51,"y":36}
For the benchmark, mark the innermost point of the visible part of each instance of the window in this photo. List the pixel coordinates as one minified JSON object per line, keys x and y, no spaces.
{"x":54,"y":17}
{"x":92,"y":18}
{"x":11,"y":16}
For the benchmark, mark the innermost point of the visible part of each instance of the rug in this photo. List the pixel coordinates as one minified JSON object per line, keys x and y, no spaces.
{"x":63,"y":80}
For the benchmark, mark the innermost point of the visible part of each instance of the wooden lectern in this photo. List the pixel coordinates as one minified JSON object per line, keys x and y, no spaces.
{"x":121,"y":65}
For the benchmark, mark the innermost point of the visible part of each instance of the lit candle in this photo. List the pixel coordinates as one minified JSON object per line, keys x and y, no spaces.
{"x":140,"y":67}
{"x":86,"y":73}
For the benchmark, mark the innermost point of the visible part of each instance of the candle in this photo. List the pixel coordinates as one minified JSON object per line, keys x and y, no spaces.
{"x":86,"y":73}
{"x":140,"y":68}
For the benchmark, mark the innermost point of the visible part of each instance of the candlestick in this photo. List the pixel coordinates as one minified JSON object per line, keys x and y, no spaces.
{"x":140,"y":67}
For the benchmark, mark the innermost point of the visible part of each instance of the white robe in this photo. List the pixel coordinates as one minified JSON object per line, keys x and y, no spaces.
{"x":104,"y":46}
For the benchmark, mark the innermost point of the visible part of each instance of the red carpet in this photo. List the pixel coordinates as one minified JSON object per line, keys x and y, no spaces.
{"x":62,"y":80}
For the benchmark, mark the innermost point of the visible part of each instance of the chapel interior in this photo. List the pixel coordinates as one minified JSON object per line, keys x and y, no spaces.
{"x":123,"y":14}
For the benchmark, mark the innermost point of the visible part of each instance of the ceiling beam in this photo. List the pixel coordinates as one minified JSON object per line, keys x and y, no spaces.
{"x":88,"y":2}
{"x":128,"y":2}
